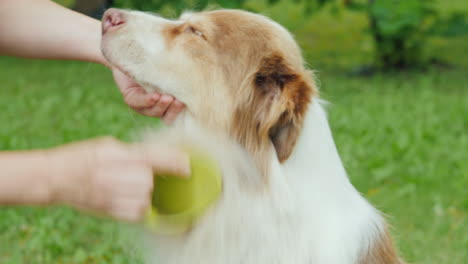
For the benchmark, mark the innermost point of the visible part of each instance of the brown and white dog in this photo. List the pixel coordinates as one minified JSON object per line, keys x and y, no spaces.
{"x":242,"y":78}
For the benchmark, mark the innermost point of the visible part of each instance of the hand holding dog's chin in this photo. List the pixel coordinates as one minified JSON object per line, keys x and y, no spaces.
{"x":108,"y":177}
{"x":148,"y":104}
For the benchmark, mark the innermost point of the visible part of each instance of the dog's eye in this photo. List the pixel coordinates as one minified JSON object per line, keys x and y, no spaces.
{"x":195,"y":31}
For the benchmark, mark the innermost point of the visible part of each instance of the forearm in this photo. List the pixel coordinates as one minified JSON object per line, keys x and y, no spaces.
{"x":25,"y":178}
{"x":45,"y":177}
{"x":42,"y":29}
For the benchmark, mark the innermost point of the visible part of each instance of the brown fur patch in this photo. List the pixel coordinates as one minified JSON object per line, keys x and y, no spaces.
{"x":240,"y":41}
{"x":382,"y":251}
{"x":274,"y":113}
{"x":285,"y":133}
{"x":170,"y":33}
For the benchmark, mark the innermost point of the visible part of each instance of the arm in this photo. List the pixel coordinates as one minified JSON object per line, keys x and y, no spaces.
{"x":24,"y":177}
{"x":101,"y":175}
{"x":42,"y":29}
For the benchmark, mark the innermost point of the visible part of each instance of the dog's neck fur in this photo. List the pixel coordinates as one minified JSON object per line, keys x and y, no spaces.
{"x":343,"y":223}
{"x":329,"y":218}
{"x":315,"y":160}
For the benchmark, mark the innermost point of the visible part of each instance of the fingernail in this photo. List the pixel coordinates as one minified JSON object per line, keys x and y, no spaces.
{"x":156,"y":97}
{"x":166,"y":98}
{"x":179,"y":105}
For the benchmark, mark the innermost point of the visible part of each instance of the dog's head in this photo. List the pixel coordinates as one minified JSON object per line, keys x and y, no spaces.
{"x":237,"y":72}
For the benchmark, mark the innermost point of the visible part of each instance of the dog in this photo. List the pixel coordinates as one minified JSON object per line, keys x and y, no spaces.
{"x":250,"y":100}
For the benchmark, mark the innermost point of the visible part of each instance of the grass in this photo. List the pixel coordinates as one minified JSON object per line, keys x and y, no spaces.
{"x":44,"y":104}
{"x":403,"y":138}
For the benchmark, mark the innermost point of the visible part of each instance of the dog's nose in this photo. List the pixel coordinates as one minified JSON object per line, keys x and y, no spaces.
{"x":111,"y":20}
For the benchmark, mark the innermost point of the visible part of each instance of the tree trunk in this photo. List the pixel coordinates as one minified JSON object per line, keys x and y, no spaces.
{"x":92,"y":8}
{"x":388,"y":59}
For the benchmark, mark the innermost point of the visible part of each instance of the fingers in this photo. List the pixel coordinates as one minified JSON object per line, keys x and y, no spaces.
{"x":124,"y":192}
{"x":123,"y":81}
{"x":135,"y":174}
{"x":163,"y":159}
{"x":138,"y":98}
{"x":149,"y":104}
{"x":131,"y":186}
{"x":130,"y":210}
{"x":159,"y":107}
{"x":172,"y":112}
{"x":166,"y":108}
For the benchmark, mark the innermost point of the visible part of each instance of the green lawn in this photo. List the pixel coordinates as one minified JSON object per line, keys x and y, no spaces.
{"x":403,"y":138}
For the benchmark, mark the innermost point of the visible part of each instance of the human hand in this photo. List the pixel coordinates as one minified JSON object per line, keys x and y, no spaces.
{"x":149,"y":104}
{"x":109,"y":177}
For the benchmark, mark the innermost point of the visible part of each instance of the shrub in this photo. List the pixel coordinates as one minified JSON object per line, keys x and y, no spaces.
{"x":400,"y":29}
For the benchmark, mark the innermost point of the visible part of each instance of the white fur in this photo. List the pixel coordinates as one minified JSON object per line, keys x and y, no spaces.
{"x":309,"y":214}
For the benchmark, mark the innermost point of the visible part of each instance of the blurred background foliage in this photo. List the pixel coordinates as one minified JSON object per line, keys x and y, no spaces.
{"x":399,"y":28}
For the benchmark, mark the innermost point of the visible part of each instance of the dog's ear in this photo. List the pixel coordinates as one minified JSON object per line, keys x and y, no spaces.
{"x":273,"y":112}
{"x":287,"y":94}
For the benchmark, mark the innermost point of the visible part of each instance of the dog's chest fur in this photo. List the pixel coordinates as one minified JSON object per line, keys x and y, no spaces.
{"x":308,"y":213}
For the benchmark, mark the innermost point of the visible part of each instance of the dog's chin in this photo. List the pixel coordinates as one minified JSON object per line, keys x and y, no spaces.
{"x":124,"y":71}
{"x":149,"y":87}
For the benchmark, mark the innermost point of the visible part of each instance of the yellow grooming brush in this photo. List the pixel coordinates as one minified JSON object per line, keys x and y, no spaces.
{"x":178,"y":202}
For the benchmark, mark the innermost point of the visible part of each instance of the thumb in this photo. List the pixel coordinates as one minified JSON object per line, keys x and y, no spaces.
{"x":165,"y":159}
